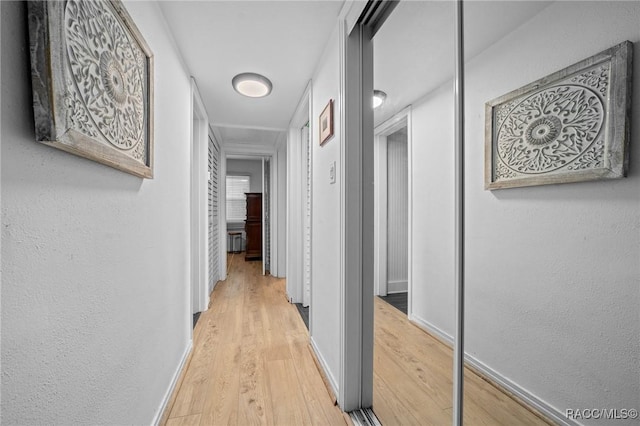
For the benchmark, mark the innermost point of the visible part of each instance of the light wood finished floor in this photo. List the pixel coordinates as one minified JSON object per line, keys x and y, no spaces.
{"x":412,"y":382}
{"x":251,"y":364}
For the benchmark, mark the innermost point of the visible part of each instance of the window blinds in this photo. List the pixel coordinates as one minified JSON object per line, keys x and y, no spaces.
{"x":236,"y":204}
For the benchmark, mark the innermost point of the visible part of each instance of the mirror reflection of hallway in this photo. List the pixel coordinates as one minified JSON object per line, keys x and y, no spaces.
{"x":412,"y":368}
{"x":413,"y":356}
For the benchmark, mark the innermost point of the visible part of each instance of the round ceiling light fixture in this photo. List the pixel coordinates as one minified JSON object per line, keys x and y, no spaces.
{"x":378,"y":98}
{"x":252,"y":85}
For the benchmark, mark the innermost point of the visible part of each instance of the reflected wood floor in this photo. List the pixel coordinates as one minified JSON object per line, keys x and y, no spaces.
{"x":413,"y":374}
{"x":251,"y":364}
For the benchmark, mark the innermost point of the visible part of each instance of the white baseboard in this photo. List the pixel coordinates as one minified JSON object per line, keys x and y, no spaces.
{"x":439,"y":334}
{"x":327,"y":372}
{"x":530,"y":399}
{"x":172,"y":385}
{"x":397,"y":287}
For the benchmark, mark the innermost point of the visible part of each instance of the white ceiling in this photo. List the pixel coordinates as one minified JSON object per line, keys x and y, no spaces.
{"x":414,"y":49}
{"x":243,"y":135}
{"x":283,"y":40}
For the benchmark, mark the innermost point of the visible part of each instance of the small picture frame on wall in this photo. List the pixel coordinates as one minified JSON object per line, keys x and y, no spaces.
{"x":326,"y":123}
{"x":92,"y":79}
{"x":570,"y":126}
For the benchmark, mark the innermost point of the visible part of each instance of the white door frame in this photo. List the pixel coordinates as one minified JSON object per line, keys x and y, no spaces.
{"x":278,"y":209}
{"x":395,"y":123}
{"x":307,"y":200}
{"x":255,"y":153}
{"x":356,"y":218}
{"x":296,"y":198}
{"x":357,"y":24}
{"x":263,"y":220}
{"x":199,"y":198}
{"x":264,"y":216}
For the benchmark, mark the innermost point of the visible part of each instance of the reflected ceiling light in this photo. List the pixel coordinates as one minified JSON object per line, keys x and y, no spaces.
{"x":252,"y":85}
{"x":378,"y":98}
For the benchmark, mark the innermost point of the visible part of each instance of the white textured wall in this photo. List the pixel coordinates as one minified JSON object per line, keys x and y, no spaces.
{"x":553,"y":272}
{"x":95,"y":262}
{"x":397,"y":211}
{"x":433,"y":210}
{"x":325,"y":238}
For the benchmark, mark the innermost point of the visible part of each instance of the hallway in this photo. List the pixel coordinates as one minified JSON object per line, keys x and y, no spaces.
{"x":102,"y":269}
{"x":251,"y":362}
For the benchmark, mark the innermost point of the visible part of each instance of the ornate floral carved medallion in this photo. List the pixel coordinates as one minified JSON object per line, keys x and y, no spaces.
{"x":567,"y":127}
{"x":101,"y":82}
{"x":550,"y":129}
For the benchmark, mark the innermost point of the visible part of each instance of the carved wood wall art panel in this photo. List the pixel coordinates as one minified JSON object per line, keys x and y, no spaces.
{"x":570,"y":126}
{"x":92,"y":75}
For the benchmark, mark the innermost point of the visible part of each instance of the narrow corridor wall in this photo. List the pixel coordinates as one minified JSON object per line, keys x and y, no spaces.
{"x":95,"y":262}
{"x":325,"y":217}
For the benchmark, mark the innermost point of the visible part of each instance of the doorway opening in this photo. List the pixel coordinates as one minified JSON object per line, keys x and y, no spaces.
{"x":392,"y":238}
{"x":248,"y":211}
{"x":299,"y":200}
{"x":204,"y":247}
{"x":304,"y":306}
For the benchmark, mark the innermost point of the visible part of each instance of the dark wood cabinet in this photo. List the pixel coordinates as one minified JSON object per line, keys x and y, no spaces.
{"x":253,"y":226}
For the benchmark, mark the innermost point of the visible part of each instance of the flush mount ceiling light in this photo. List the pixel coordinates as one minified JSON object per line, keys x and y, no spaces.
{"x":252,"y":85}
{"x":378,"y":98}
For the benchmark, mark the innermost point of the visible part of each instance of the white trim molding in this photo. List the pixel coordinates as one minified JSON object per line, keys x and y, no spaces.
{"x":398,"y":287}
{"x":351,"y":12}
{"x":278,"y":200}
{"x":380,"y":212}
{"x":410,"y":232}
{"x":325,"y":367}
{"x":296,"y":177}
{"x":199,"y":198}
{"x":393,"y":124}
{"x":356,"y":217}
{"x":172,"y":385}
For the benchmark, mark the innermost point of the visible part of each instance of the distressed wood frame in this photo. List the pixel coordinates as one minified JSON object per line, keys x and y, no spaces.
{"x":54,"y":84}
{"x":609,"y":146}
{"x":327,"y":114}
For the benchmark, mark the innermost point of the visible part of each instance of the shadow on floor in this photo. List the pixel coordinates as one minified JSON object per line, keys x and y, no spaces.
{"x":397,"y":300}
{"x":304,"y":313}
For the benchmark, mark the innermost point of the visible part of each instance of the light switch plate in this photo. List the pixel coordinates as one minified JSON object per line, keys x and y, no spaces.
{"x":332,"y":172}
